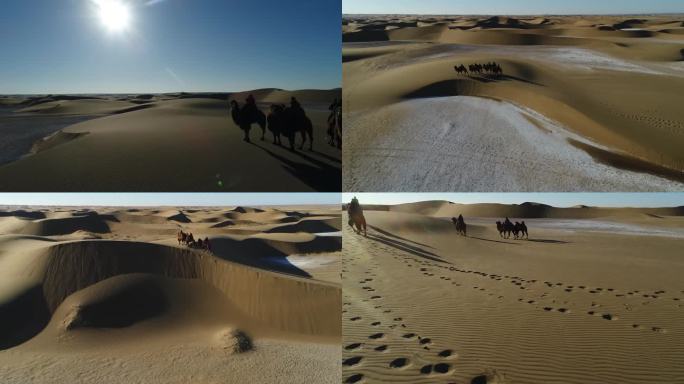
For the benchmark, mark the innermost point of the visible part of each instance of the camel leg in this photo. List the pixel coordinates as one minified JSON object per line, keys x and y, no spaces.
{"x":246,"y":131}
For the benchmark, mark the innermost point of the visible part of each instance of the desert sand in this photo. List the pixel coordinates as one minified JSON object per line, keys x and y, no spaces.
{"x":109,"y":295}
{"x":585,"y":103}
{"x":159,"y":143}
{"x":594,"y":295}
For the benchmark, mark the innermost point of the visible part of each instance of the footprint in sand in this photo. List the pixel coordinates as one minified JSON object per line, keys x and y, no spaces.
{"x":376,"y":336}
{"x":426,"y":340}
{"x":375,"y":323}
{"x":409,"y":335}
{"x":355,"y":318}
{"x":398,"y":362}
{"x":381,"y":348}
{"x":352,"y":361}
{"x":608,"y":316}
{"x":353,"y":346}
{"x":354,"y":378}
{"x":447,"y":353}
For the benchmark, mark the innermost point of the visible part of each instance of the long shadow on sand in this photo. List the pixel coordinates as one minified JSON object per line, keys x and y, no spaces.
{"x":323,"y":177}
{"x":548,"y":241}
{"x":493,"y":241}
{"x":407,"y":248}
{"x":398,"y":237}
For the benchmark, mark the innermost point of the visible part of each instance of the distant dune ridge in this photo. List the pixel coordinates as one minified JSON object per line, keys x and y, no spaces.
{"x":591,"y":294}
{"x":585,"y":103}
{"x":75,"y":280}
{"x":186,"y":141}
{"x":439,"y":208}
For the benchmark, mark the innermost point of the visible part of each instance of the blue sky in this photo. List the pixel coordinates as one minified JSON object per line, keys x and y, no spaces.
{"x":509,"y":7}
{"x":168,"y":199}
{"x":63,"y":46}
{"x":555,"y":199}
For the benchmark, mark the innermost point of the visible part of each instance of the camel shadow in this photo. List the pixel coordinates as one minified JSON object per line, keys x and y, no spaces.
{"x":322,"y":177}
{"x":548,"y":241}
{"x":398,"y":237}
{"x":406,"y":248}
{"x":493,"y":241}
{"x":483,"y":79}
{"x":323,"y":155}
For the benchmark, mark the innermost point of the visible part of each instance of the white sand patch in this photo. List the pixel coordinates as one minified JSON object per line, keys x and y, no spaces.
{"x":569,"y":57}
{"x":467,"y":143}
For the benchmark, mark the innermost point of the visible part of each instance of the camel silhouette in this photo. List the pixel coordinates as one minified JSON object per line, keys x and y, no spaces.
{"x":245,"y":118}
{"x":289,"y":121}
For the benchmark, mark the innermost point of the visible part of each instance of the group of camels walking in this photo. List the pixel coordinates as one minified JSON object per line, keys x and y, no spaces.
{"x":285,"y":120}
{"x":505,"y":228}
{"x":491,"y":68}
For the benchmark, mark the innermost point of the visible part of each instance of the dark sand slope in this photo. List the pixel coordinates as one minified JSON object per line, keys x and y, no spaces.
{"x":75,"y":281}
{"x":581,"y":107}
{"x":594,"y":295}
{"x":173,"y":143}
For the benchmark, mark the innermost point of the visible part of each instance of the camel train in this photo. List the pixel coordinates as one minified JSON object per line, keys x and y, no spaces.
{"x":356,"y":219}
{"x":506,"y":228}
{"x":189,"y":240}
{"x":287,"y":121}
{"x":480,"y":69}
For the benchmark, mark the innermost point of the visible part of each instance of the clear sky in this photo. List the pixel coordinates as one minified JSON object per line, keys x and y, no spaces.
{"x":120,"y":46}
{"x":168,"y":199}
{"x":510,"y":7}
{"x":554,"y":199}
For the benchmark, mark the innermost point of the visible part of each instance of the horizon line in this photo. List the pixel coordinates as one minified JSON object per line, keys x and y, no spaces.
{"x":520,"y":14}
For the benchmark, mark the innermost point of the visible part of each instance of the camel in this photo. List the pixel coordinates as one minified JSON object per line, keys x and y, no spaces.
{"x":181,"y":237}
{"x":335,"y":125}
{"x":461,"y":69}
{"x":276,"y":122}
{"x":245,"y":120}
{"x":297,"y":121}
{"x":522,"y":229}
{"x":505,"y":229}
{"x":461,"y":226}
{"x":356,"y":219}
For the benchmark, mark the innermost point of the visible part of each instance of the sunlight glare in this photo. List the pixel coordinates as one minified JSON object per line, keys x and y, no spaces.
{"x":115,"y":15}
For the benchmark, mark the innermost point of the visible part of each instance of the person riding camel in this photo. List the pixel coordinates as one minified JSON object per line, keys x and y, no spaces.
{"x":295,"y":106}
{"x":460,"y":219}
{"x":250,"y":107}
{"x":507,"y":222}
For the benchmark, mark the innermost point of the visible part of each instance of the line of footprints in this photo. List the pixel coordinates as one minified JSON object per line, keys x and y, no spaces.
{"x":523,"y":283}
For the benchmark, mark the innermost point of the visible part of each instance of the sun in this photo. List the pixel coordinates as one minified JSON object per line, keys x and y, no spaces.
{"x":115,"y":15}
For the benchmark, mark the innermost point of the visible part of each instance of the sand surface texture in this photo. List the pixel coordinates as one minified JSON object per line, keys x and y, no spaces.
{"x":108,"y":295}
{"x":583,"y":104}
{"x":170,"y":142}
{"x":594,"y":295}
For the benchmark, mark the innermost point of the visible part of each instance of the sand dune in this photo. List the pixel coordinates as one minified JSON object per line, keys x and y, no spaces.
{"x":187,"y":142}
{"x":565,"y":82}
{"x":134,"y":289}
{"x":594,"y":294}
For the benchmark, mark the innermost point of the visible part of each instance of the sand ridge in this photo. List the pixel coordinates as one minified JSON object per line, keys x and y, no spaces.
{"x":74,"y":279}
